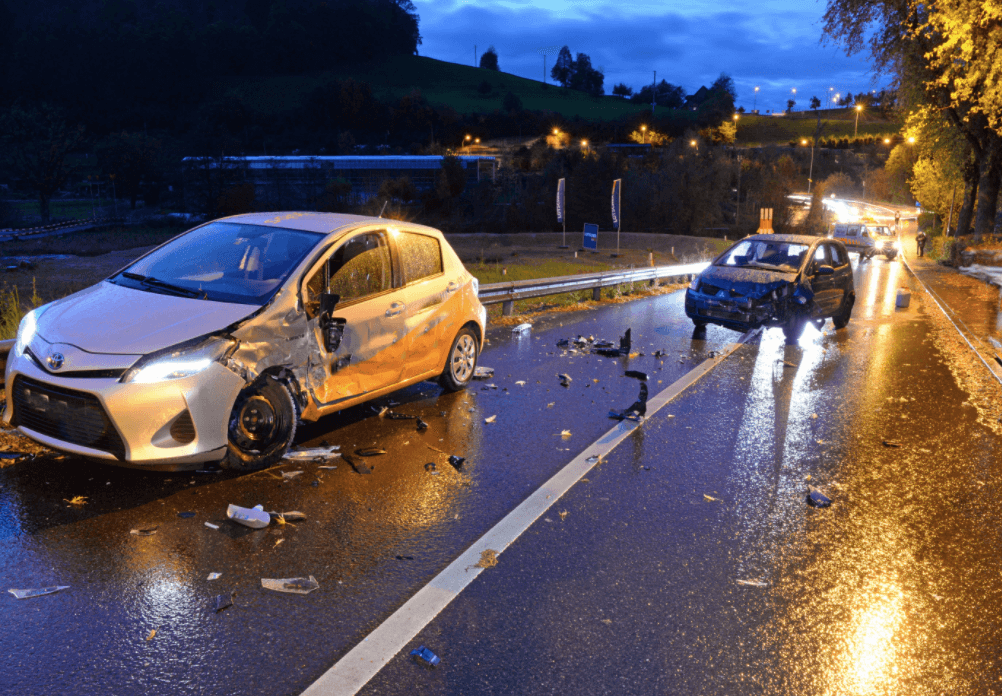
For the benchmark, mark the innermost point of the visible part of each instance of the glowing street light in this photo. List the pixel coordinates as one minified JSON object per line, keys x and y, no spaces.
{"x":887,"y":141}
{"x":693,"y":143}
{"x":755,"y":100}
{"x":466,"y":140}
{"x":859,"y":107}
{"x":736,"y":117}
{"x":584,"y":144}
{"x":643,"y":132}
{"x":810,"y":174}
{"x":911,"y":139}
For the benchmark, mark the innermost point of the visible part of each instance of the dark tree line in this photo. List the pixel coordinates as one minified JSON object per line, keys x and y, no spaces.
{"x":578,"y":73}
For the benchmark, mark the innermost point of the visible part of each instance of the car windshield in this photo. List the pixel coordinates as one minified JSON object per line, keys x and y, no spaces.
{"x":223,"y":262}
{"x":883,"y":231}
{"x":774,"y":256}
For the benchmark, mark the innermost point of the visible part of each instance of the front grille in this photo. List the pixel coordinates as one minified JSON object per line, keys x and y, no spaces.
{"x":183,"y":429}
{"x":64,"y":414}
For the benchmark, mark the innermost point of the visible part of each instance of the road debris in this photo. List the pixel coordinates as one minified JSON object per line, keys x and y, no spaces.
{"x":405,"y":558}
{"x":145,"y":531}
{"x":291,"y":516}
{"x":491,"y":419}
{"x":637,"y":410}
{"x":551,"y":404}
{"x":153,"y":633}
{"x":457,"y":462}
{"x":753,"y":583}
{"x":787,"y":363}
{"x":286,"y":475}
{"x":291,"y":585}
{"x":521,"y":328}
{"x":421,"y":425}
{"x":891,"y":443}
{"x":483,"y":373}
{"x":636,"y":374}
{"x":565,"y":434}
{"x":370,"y":452}
{"x":186,"y":515}
{"x":223,"y":601}
{"x":488,"y":559}
{"x":255,"y":518}
{"x":660,"y":354}
{"x":565,"y":380}
{"x":278,"y":542}
{"x":563,"y":515}
{"x":816,"y":498}
{"x":425,"y":657}
{"x":358,"y":465}
{"x":594,"y":459}
{"x":211,"y":526}
{"x":330,"y":467}
{"x":430,"y":466}
{"x":214,"y":576}
{"x":314,"y":453}
{"x":77,"y":500}
{"x":711,"y":499}
{"x":390,"y":415}
{"x":28,"y":594}
{"x":520,"y":383}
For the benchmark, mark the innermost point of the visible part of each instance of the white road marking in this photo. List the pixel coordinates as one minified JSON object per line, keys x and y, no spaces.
{"x":365,"y":660}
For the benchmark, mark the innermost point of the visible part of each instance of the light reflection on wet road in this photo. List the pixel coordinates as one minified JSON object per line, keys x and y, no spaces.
{"x":849,"y":607}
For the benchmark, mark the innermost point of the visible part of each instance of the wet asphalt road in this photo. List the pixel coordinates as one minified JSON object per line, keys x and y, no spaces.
{"x":893,"y":589}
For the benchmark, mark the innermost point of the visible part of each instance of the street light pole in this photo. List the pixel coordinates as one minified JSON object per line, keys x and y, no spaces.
{"x":755,"y":101}
{"x":855,"y":129}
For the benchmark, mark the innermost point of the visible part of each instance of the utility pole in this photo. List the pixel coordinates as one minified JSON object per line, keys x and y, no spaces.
{"x":474,"y":55}
{"x":737,"y":214}
{"x":949,"y":220}
{"x":654,"y":93}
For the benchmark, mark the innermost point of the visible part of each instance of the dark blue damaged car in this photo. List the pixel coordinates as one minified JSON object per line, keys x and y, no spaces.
{"x":781,"y":280}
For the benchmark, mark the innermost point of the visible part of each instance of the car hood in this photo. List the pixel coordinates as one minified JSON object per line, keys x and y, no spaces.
{"x":750,"y":282}
{"x":109,"y":318}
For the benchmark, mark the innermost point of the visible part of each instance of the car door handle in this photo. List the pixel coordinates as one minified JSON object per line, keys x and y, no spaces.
{"x":452,"y":286}
{"x":395,"y":309}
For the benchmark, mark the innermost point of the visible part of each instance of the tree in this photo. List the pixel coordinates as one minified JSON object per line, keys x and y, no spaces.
{"x":489,"y":59}
{"x":815,"y":103}
{"x":134,"y":159}
{"x":511,"y":102}
{"x":789,"y":105}
{"x":35,"y":144}
{"x":563,"y":68}
{"x":585,"y":77}
{"x":665,"y":94}
{"x":622,"y":90}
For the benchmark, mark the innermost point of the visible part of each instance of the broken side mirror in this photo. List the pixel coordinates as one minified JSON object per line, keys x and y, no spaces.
{"x":328,"y":301}
{"x":333,"y":331}
{"x":825,"y":270}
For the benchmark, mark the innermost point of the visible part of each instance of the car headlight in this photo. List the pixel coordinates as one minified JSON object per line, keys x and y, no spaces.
{"x":180,"y":361}
{"x":694,"y":285}
{"x":26,"y":330}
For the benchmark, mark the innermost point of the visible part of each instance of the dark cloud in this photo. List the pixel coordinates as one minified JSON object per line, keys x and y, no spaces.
{"x":772,"y":45}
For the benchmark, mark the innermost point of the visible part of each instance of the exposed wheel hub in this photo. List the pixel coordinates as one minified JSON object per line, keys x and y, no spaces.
{"x":255,"y":421}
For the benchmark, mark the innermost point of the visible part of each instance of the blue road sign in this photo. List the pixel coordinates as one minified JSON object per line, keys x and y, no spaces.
{"x":590,"y":237}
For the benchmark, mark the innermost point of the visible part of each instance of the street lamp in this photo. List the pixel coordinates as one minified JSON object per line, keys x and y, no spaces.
{"x":755,"y":100}
{"x":584,"y":144}
{"x":810,"y":174}
{"x":911,"y":139}
{"x":693,"y":143}
{"x":643,"y":134}
{"x":830,"y":90}
{"x":855,"y":129}
{"x":887,"y":141}
{"x":465,"y":141}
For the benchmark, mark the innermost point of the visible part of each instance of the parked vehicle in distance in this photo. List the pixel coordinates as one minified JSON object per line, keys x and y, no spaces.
{"x":215,"y":344}
{"x":774,"y":280}
{"x":867,"y":240}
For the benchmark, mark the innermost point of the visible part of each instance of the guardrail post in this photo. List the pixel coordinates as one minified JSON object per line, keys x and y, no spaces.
{"x":508,"y":308}
{"x":596,"y":294}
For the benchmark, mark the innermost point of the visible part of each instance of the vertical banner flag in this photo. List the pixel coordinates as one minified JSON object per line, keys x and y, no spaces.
{"x":617,"y":187}
{"x":560,"y":201}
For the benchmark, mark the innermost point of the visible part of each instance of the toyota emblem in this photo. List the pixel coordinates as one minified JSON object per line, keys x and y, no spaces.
{"x":55,"y":360}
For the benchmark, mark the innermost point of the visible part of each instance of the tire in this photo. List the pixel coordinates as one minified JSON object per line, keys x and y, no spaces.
{"x":262,"y":426}
{"x":841,"y":320}
{"x":794,"y":328}
{"x":892,"y":255}
{"x":461,"y":361}
{"x":698,"y":325}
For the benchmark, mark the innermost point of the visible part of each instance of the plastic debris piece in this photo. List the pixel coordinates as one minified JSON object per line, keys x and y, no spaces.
{"x":211,"y":526}
{"x":286,"y":475}
{"x":488,"y":559}
{"x":787,"y":363}
{"x":753,"y":583}
{"x":214,"y":576}
{"x":291,"y":516}
{"x":153,"y":633}
{"x":358,"y":465}
{"x":565,"y":434}
{"x":187,"y":515}
{"x":291,"y":585}
{"x":278,"y":542}
{"x":520,"y":383}
{"x":381,"y":412}
{"x":521,"y":328}
{"x":223,"y":601}
{"x":563,"y":515}
{"x":426,"y":657}
{"x":565,"y":380}
{"x":405,"y":558}
{"x":593,"y":459}
{"x":145,"y":531}
{"x":326,"y":467}
{"x":483,"y":373}
{"x":400,"y":416}
{"x":491,"y":419}
{"x":457,"y":462}
{"x":816,"y":498}
{"x":660,"y":354}
{"x":814,"y":416}
{"x":77,"y":500}
{"x":551,"y":404}
{"x":248,"y":517}
{"x":711,"y":499}
{"x":370,"y":452}
{"x":27,"y":594}
{"x":636,"y":374}
{"x":421,"y":425}
{"x":430,"y":466}
{"x":314,"y":453}
{"x":637,"y":410}
{"x":891,"y":443}
{"x":14,"y":455}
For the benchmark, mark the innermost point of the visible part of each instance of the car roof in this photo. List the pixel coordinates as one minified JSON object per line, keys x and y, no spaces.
{"x":319,"y":222}
{"x":787,"y":238}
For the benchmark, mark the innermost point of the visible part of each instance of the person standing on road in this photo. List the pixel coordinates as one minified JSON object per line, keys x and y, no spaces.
{"x":920,"y":240}
{"x":897,"y":219}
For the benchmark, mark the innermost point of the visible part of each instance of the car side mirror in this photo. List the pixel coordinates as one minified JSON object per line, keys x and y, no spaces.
{"x":824,"y":270}
{"x":328,"y":301}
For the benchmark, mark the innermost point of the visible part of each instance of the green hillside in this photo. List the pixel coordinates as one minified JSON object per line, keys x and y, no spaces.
{"x":765,"y":129}
{"x":441,"y":83}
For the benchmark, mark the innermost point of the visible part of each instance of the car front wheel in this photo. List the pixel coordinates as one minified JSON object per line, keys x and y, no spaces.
{"x":462,"y":361}
{"x":262,"y":425}
{"x":841,"y":320}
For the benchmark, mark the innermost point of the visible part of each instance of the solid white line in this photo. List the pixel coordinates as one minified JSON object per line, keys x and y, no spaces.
{"x":932,"y":294}
{"x":365,"y":660}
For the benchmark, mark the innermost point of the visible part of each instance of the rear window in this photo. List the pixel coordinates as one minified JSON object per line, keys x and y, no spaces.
{"x":420,"y":256}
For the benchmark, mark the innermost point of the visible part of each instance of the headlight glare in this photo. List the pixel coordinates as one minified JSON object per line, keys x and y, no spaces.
{"x":694,"y":285}
{"x":180,"y":361}
{"x":26,"y":331}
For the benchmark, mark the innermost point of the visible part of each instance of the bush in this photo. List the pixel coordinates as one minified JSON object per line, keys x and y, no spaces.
{"x":485,"y":87}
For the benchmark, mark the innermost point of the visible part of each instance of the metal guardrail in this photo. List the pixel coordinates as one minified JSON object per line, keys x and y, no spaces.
{"x":83,"y":223}
{"x":506,"y":293}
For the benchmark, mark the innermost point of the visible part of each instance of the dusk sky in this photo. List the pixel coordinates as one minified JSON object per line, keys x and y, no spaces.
{"x":774,"y":44}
